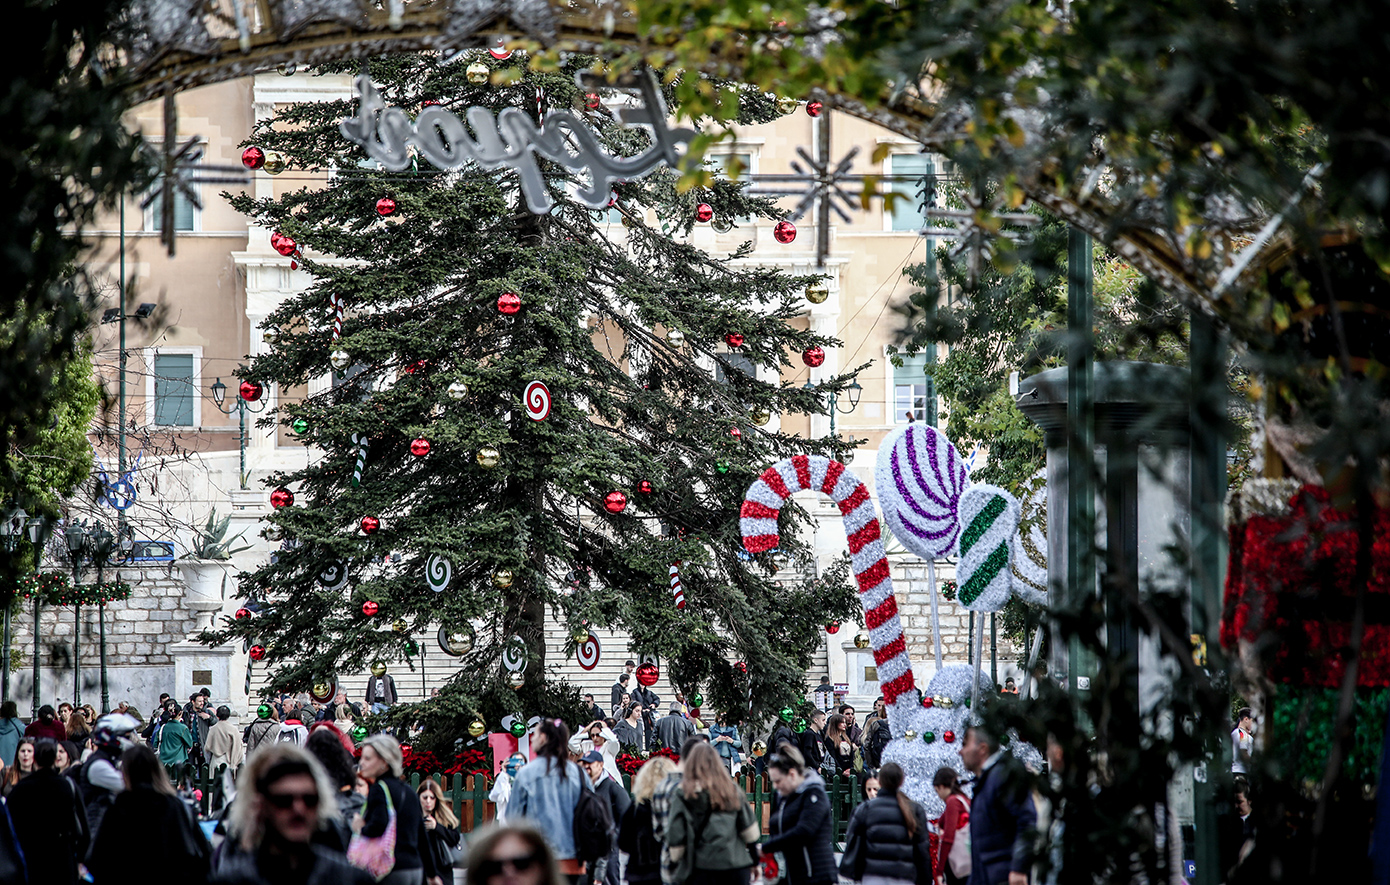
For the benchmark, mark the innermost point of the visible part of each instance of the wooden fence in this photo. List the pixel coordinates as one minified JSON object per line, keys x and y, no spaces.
{"x":467,"y":795}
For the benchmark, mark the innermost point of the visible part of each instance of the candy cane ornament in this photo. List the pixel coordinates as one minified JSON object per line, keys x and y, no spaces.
{"x":359,"y":440}
{"x":677,"y":594}
{"x":336,"y":302}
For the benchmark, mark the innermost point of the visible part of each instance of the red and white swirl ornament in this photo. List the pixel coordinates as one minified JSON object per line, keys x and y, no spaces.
{"x":537,"y":401}
{"x":677,"y":594}
{"x":758,"y":523}
{"x":587,"y":654}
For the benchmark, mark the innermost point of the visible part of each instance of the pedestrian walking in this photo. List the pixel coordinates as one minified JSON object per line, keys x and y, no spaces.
{"x":23,"y":765}
{"x":224,"y":750}
{"x":661,"y":810}
{"x":724,"y":737}
{"x":11,"y":730}
{"x":265,"y":728}
{"x":381,"y":693}
{"x":78,"y":729}
{"x":611,"y":791}
{"x":49,"y":820}
{"x":1242,"y":740}
{"x":799,"y":821}
{"x":956,"y":816}
{"x":442,"y":835}
{"x":711,"y":823}
{"x":46,"y":725}
{"x":616,"y":693}
{"x":514,"y":854}
{"x":811,"y":742}
{"x":546,"y":790}
{"x":886,"y":842}
{"x":1002,"y":816}
{"x":174,"y":742}
{"x":283,"y":798}
{"x":392,"y":806}
{"x":674,"y":728}
{"x":99,"y":780}
{"x":147,"y":819}
{"x":635,"y":834}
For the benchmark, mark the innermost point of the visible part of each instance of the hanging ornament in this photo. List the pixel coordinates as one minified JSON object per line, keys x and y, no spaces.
{"x":784,"y":232}
{"x":334,"y":577}
{"x":371,"y":608}
{"x":721,"y":466}
{"x":949,"y":737}
{"x":378,"y":668}
{"x":324,"y":690}
{"x":489,"y":457}
{"x":741,"y":667}
{"x":359,"y":440}
{"x":477,"y":73}
{"x":271,"y":334}
{"x":615,"y":502}
{"x":647,"y":674}
{"x":832,"y":628}
{"x":503,"y":578}
{"x":759,"y":748}
{"x":339,"y":307}
{"x":370,"y":525}
{"x":787,"y":105}
{"x":242,"y":614}
{"x":274,"y":164}
{"x":817,"y":294}
{"x":813,"y":356}
{"x":256,"y":652}
{"x":735,"y":432}
{"x":675,"y":338}
{"x":592,"y":101}
{"x":438,"y":572}
{"x":645,"y":487}
{"x":579,"y":633}
{"x":399,"y":626}
{"x":417,"y":366}
{"x":760,"y":417}
{"x":457,"y":391}
{"x":281,"y":497}
{"x":477,"y":728}
{"x":518,"y":728}
{"x":677,"y":592}
{"x":588,"y":652}
{"x":733,"y":339}
{"x":251,"y":391}
{"x":339,"y":359}
{"x":419,"y":447}
{"x":286,"y":246}
{"x":514,"y":654}
{"x":294,"y":265}
{"x":799,"y":725}
{"x":263,"y":711}
{"x":509,"y":303}
{"x":273,"y":532}
{"x":500,"y":52}
{"x":861,"y":639}
{"x":814,"y":108}
{"x":704,"y":212}
{"x":786,"y":714}
{"x":697,"y":699}
{"x":359,"y":733}
{"x":536,"y":398}
{"x":457,"y":642}
{"x":299,"y":426}
{"x":253,"y":158}
{"x":516,"y":680}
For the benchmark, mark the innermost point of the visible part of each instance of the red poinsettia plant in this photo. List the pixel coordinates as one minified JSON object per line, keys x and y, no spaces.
{"x":426,"y":763}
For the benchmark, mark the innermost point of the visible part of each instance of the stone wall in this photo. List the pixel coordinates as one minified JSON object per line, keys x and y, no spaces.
{"x":912,"y":586}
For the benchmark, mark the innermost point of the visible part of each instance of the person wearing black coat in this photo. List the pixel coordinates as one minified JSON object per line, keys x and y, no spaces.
{"x":636,"y":835}
{"x":1003,"y":821}
{"x":49,"y":820}
{"x":381,"y":764}
{"x":799,"y":821}
{"x":887,"y":836}
{"x":147,"y":818}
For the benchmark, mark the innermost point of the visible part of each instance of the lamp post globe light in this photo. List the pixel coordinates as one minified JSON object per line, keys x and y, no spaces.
{"x":853,"y":391}
{"x":240,"y":406}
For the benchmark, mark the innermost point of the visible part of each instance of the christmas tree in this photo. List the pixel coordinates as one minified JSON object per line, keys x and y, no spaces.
{"x":453,"y":490}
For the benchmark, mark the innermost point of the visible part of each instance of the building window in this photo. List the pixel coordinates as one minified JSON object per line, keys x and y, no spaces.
{"x":185,"y":213}
{"x":174,"y":382}
{"x":914,"y":393}
{"x":910,"y":184}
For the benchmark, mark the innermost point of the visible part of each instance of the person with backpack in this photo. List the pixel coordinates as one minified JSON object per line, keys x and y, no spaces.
{"x":173,"y":742}
{"x":610,"y":791}
{"x":635,"y":833}
{"x":887,"y":840}
{"x":799,"y":821}
{"x":955,"y":828}
{"x":265,"y":727}
{"x":99,"y":779}
{"x":11,"y":730}
{"x":224,"y":749}
{"x":712,"y":825}
{"x":293,"y":730}
{"x":547,"y":792}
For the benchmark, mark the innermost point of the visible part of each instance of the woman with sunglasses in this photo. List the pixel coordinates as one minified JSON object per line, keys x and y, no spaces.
{"x":390,"y":800}
{"x":283,"y":798}
{"x":516,"y":854}
{"x":148,"y":818}
{"x":799,"y":821}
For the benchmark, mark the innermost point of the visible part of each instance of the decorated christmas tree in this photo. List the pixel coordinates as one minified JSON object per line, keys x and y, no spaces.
{"x":532,"y":418}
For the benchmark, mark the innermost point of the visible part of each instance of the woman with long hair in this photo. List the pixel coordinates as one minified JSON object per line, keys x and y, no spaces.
{"x":441,"y":826}
{"x":515,"y":854}
{"x":799,"y":822}
{"x":23,"y":765}
{"x":383,"y":766}
{"x":546,"y":790}
{"x":635,"y":835}
{"x":148,"y":819}
{"x":341,"y":768}
{"x":46,"y":725}
{"x":11,"y":731}
{"x":711,"y":824}
{"x":78,"y":729}
{"x":887,"y":840}
{"x":957,"y":815}
{"x":840,"y":753}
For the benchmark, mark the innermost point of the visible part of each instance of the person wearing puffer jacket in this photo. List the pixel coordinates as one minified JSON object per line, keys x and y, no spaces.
{"x":886,"y":842}
{"x":799,"y":821}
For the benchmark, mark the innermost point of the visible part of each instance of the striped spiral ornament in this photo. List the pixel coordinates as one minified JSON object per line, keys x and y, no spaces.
{"x":677,"y":593}
{"x":438,"y":572}
{"x":336,"y":302}
{"x":989,"y":519}
{"x":588,"y":652}
{"x":919,"y":478}
{"x":514,"y":654}
{"x":537,"y":401}
{"x":334,"y":577}
{"x":758,"y":522}
{"x":359,"y":440}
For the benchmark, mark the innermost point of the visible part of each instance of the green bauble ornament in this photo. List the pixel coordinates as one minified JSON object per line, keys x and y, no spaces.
{"x":359,"y":733}
{"x":786,"y":714}
{"x":263,"y":711}
{"x":518,"y":728}
{"x":300,"y":426}
{"x":697,"y":700}
{"x":721,"y":466}
{"x":928,"y":736}
{"x":799,"y":725}
{"x":411,"y":649}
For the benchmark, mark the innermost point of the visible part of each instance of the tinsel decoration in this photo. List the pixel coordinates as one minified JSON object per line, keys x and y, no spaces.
{"x":360,"y":441}
{"x":1028,"y":547}
{"x":989,"y":516}
{"x":677,"y":593}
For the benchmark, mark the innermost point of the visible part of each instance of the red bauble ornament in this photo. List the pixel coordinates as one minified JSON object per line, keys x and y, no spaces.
{"x":949,"y":737}
{"x":417,"y":366}
{"x":814,"y":108}
{"x":735,"y":433}
{"x":833,"y":628}
{"x":784,"y":232}
{"x":615,"y":502}
{"x":251,"y":391}
{"x":286,"y":246}
{"x":253,"y":158}
{"x":281,"y":497}
{"x":370,"y":608}
{"x":928,"y":702}
{"x":385,"y":206}
{"x":429,"y":103}
{"x":294,"y":265}
{"x":740,"y":666}
{"x":813,"y":356}
{"x":592,"y":101}
{"x":704,"y":212}
{"x":243,"y":613}
{"x":370,"y":525}
{"x":509,"y":303}
{"x":648,"y":674}
{"x":256,"y":652}
{"x":419,"y":447}
{"x":645,"y":487}
{"x":733,"y":339}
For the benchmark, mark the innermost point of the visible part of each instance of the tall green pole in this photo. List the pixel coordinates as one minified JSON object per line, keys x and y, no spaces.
{"x":1081,"y":435}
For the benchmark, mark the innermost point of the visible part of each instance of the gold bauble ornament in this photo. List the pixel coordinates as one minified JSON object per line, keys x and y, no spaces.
{"x":817,"y":294}
{"x":489,"y":457}
{"x":516,"y":679}
{"x":477,"y":728}
{"x":760,"y":417}
{"x":503,"y":578}
{"x":910,"y":735}
{"x":861,"y":639}
{"x":339,"y":359}
{"x":378,"y":668}
{"x":787,"y":105}
{"x":458,"y":391}
{"x":579,"y":634}
{"x":274,"y":163}
{"x":399,"y":626}
{"x":759,"y":748}
{"x":478,"y":73}
{"x":675,"y":338}
{"x":322,"y":689}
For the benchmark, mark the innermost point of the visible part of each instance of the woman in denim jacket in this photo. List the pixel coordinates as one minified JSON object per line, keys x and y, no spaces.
{"x":723,"y":735}
{"x":546,"y":789}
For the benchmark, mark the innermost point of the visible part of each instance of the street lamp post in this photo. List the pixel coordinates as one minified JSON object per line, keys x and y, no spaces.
{"x":77,"y":542}
{"x":11,"y":532}
{"x":854,"y":389}
{"x":38,"y":528}
{"x":102,"y":543}
{"x":219,"y":394}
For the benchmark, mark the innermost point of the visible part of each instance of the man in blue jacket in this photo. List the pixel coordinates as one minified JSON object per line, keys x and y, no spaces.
{"x":1002,"y":817}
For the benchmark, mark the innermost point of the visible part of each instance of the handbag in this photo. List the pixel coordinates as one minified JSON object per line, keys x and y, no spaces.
{"x":959,"y":858}
{"x":376,"y":854}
